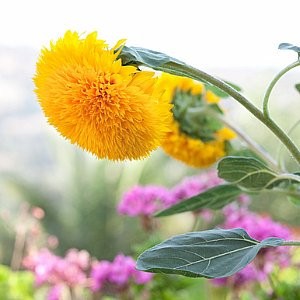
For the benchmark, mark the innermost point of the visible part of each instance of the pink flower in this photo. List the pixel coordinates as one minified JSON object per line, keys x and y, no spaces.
{"x":119,"y":273}
{"x":42,"y":264}
{"x":55,"y":292}
{"x":195,"y":185}
{"x":99,"y":275}
{"x":52,"y":269}
{"x":147,"y":200}
{"x":121,"y":270}
{"x":258,"y":227}
{"x":143,"y":201}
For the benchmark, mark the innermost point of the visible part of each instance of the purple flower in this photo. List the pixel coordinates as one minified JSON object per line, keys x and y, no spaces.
{"x":258,"y":227}
{"x":249,"y":274}
{"x":122,"y":269}
{"x":42,"y":264}
{"x":118,"y":274}
{"x":99,"y":274}
{"x":52,"y":269}
{"x":192,"y":186}
{"x":142,"y":277}
{"x":143,"y":200}
{"x":55,"y":292}
{"x":147,"y":200}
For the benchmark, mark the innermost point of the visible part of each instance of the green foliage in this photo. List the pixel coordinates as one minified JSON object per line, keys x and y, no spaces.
{"x":251,"y":174}
{"x":213,"y":198}
{"x":246,"y":172}
{"x":297,"y":87}
{"x":287,"y":46}
{"x":177,"y":288}
{"x":162,"y":62}
{"x":15,"y":285}
{"x":213,"y":253}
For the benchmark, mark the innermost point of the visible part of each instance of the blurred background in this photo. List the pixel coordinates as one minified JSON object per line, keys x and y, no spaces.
{"x":236,"y":40}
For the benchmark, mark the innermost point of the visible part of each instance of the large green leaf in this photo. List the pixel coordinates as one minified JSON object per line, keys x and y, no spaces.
{"x":162,"y":62}
{"x":214,"y":198}
{"x":213,"y":253}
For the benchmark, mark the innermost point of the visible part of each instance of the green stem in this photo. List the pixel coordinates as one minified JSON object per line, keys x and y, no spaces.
{"x":191,"y":72}
{"x":196,"y":223}
{"x":280,"y":158}
{"x":291,"y":243}
{"x":256,"y":148}
{"x":273,"y":83}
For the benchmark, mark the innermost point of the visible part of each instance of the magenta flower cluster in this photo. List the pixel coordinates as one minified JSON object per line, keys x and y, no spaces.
{"x":52,"y":269}
{"x":77,"y":270}
{"x":144,"y":201}
{"x":117,"y":275}
{"x":59,"y":272}
{"x":147,"y":200}
{"x":258,"y":227}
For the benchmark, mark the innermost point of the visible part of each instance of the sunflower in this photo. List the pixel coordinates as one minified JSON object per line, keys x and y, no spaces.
{"x":108,"y":109}
{"x":198,"y":137}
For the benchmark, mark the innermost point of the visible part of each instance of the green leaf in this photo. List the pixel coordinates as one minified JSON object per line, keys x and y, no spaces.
{"x":214,"y":198}
{"x":246,"y":172}
{"x":253,"y":174}
{"x":141,"y":56}
{"x":138,"y":56}
{"x":287,"y":46}
{"x":213,"y":253}
{"x":297,"y":87}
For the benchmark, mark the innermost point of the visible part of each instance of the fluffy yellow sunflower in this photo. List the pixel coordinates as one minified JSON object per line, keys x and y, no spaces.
{"x":108,"y":109}
{"x":197,"y":138}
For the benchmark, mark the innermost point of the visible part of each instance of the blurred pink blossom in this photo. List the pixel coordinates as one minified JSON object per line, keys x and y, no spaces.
{"x":143,"y":200}
{"x":55,"y":292}
{"x":194,"y":185}
{"x":119,"y":273}
{"x":52,"y":269}
{"x":147,"y":200}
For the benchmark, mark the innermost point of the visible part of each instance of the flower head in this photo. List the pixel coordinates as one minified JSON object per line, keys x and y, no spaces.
{"x":108,"y":109}
{"x":198,"y":137}
{"x":52,"y":269}
{"x":119,"y":273}
{"x":144,"y":200}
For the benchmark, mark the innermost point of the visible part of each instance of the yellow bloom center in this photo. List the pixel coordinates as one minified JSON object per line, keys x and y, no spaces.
{"x":111,"y":110}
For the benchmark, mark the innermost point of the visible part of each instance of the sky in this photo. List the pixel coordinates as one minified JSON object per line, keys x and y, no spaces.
{"x":212,"y":33}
